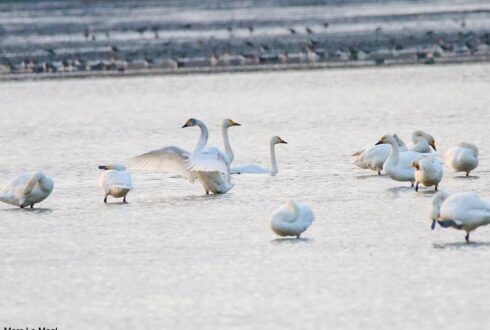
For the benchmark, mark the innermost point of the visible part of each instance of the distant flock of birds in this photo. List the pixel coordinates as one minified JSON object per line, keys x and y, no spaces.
{"x":212,"y":167}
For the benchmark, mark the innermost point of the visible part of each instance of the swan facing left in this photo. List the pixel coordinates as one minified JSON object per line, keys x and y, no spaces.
{"x":291,"y":219}
{"x":463,"y":211}
{"x":27,"y":189}
{"x":115,"y":181}
{"x":208,"y":165}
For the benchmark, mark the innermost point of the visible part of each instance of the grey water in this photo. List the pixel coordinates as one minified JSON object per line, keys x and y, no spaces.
{"x":174,"y":258}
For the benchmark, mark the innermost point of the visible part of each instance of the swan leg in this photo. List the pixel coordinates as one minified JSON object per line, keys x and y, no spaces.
{"x":32,"y":205}
{"x":379,"y":172}
{"x":436,"y":187}
{"x":21,"y":206}
{"x":467,"y":237}
{"x":467,"y":173}
{"x":105,"y":199}
{"x":297,"y":236}
{"x":412,"y":184}
{"x":417,"y":187}
{"x":124,"y":200}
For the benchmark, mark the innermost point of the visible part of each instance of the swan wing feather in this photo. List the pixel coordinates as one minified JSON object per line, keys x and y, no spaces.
{"x":169,"y":159}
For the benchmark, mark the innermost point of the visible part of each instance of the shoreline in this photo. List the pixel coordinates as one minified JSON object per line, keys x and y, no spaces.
{"x":328,"y":65}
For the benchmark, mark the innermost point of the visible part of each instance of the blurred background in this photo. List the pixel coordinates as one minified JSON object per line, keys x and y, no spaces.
{"x":73,"y":38}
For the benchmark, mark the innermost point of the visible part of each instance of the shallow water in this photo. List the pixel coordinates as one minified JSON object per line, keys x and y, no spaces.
{"x":174,"y":258}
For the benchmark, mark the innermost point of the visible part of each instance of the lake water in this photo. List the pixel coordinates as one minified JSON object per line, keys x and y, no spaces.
{"x":177,"y":259}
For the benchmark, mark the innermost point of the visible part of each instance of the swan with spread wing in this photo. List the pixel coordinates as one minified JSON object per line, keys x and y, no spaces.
{"x":208,"y":165}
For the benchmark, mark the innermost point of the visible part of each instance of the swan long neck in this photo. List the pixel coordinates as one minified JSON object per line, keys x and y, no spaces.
{"x":293,"y":216}
{"x":274,"y":168}
{"x":395,"y":150}
{"x":203,"y":139}
{"x":226,"y":141}
{"x":44,"y":183}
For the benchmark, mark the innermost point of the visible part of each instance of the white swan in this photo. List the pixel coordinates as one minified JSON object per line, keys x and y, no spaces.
{"x":463,"y":211}
{"x":27,"y":189}
{"x":398,"y":166}
{"x":422,"y":142}
{"x":115,"y":181}
{"x":292,"y":219}
{"x":229,"y":155}
{"x":208,"y":165}
{"x":463,"y":158}
{"x":255,"y":169}
{"x":427,"y":172}
{"x":374,"y":157}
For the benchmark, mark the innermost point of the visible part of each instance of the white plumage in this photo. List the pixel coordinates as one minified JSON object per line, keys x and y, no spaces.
{"x":428,"y":171}
{"x":463,"y":158}
{"x":291,"y":219}
{"x":115,"y":181}
{"x":27,"y":189}
{"x":463,"y":211}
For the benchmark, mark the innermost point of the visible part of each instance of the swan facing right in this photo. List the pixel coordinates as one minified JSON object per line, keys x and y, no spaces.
{"x":462,"y":211}
{"x":27,"y":189}
{"x":291,"y":219}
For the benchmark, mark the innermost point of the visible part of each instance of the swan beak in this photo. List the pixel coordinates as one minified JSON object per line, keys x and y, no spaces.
{"x":189,"y":123}
{"x":102,"y":167}
{"x":234,"y":123}
{"x":433,"y":226}
{"x":379,"y":142}
{"x":282,"y":141}
{"x":433,"y":145}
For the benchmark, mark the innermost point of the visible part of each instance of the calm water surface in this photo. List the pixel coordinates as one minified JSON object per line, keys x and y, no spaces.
{"x":174,"y":258}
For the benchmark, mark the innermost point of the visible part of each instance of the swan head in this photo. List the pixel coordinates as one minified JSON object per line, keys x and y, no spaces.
{"x":421,"y":135}
{"x":277,"y":140}
{"x":190,"y":122}
{"x":116,"y":167}
{"x":386,"y":139}
{"x":439,"y":198}
{"x":230,"y":123}
{"x":415,"y":164}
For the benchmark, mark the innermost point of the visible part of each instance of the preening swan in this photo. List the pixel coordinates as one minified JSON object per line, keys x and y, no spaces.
{"x":463,"y":211}
{"x":229,"y":155}
{"x":427,"y":172}
{"x":398,"y":166}
{"x":115,"y":181}
{"x":208,"y":165}
{"x":292,"y":219}
{"x":422,"y":142}
{"x":463,"y":158}
{"x":374,"y":157}
{"x":27,"y":189}
{"x":255,"y":169}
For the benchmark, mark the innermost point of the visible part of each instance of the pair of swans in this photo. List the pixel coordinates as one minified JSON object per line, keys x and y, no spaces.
{"x":291,"y":219}
{"x":463,"y":211}
{"x":115,"y":181}
{"x":374,"y":157}
{"x":27,"y":189}
{"x":399,"y":166}
{"x":209,"y":165}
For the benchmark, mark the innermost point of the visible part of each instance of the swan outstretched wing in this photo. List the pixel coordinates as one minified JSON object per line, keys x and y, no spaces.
{"x":170,"y":159}
{"x":208,"y":160}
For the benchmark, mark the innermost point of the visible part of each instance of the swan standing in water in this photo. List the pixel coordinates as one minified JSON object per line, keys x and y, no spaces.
{"x":27,"y":189}
{"x":255,"y":169}
{"x":463,"y":158}
{"x":229,"y":155}
{"x":427,"y":172}
{"x":463,"y":211}
{"x":292,"y":219}
{"x":208,"y":165}
{"x":398,"y":166}
{"x":375,"y":156}
{"x":115,"y":181}
{"x":422,"y":142}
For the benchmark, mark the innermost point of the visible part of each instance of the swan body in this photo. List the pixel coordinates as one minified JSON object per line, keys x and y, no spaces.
{"x":256,"y":169}
{"x":27,"y":189}
{"x":427,"y":172}
{"x":398,"y":165}
{"x":374,"y":157}
{"x":208,"y":165}
{"x":422,"y":142}
{"x":463,"y":211}
{"x":115,"y":181}
{"x":463,"y":158}
{"x":292,"y":219}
